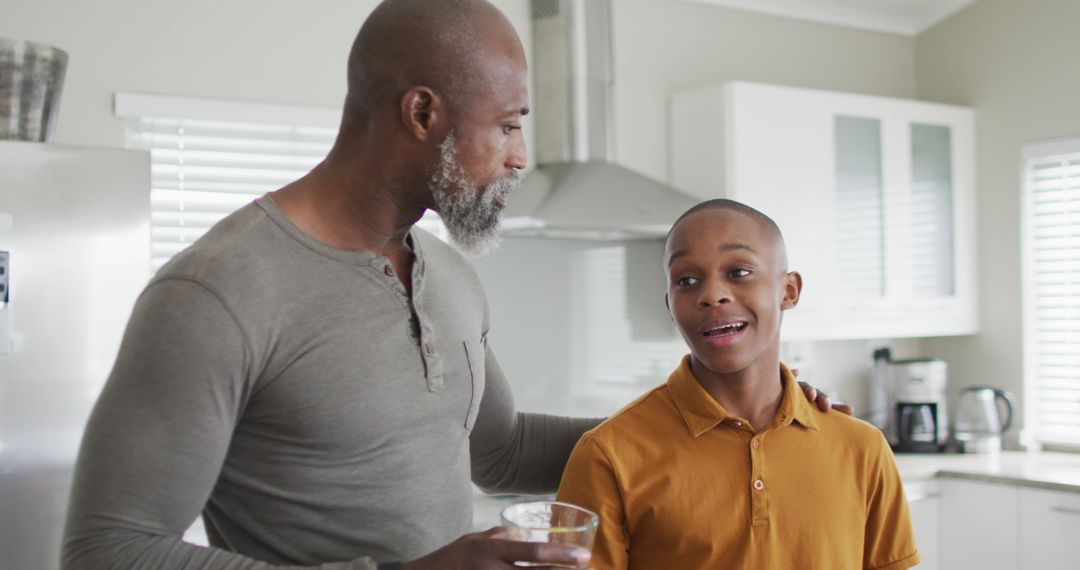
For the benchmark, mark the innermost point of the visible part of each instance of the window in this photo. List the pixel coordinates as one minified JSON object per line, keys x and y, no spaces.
{"x":1051,"y":224}
{"x":624,"y":342}
{"x":209,"y":158}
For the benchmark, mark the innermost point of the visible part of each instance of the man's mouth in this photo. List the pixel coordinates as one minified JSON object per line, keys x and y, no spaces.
{"x":500,"y":200}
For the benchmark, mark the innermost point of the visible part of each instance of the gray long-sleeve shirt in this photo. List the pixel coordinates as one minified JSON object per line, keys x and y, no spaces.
{"x":312,"y":411}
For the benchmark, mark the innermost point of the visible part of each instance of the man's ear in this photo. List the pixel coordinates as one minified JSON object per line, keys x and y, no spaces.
{"x":792,"y":290}
{"x":424,"y":113}
{"x":667,"y":305}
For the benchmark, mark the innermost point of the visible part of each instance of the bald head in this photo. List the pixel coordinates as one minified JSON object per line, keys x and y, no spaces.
{"x":446,"y":45}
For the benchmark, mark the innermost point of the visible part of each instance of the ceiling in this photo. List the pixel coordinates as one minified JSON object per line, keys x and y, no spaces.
{"x":904,"y":17}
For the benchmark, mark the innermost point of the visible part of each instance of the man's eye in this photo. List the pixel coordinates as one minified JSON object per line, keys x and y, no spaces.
{"x":739,"y":273}
{"x":685,"y":281}
{"x":507,"y":129}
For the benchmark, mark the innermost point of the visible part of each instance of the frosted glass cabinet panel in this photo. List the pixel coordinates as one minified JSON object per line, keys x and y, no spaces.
{"x":859,"y":241}
{"x":874,"y":195}
{"x":932,"y":210}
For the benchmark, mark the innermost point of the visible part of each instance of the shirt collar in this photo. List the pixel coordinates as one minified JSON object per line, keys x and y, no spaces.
{"x":702,"y":413}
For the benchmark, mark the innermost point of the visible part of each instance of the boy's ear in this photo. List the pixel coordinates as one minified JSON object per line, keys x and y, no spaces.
{"x":792,"y":290}
{"x":667,"y":305}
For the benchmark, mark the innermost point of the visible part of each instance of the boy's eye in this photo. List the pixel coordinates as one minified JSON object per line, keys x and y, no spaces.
{"x":737,"y":273}
{"x":685,"y":281}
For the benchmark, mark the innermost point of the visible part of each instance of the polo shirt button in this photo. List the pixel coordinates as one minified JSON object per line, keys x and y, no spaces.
{"x":759,"y":485}
{"x":755,"y":443}
{"x":428,"y":348}
{"x":389,"y":271}
{"x":738,"y":424}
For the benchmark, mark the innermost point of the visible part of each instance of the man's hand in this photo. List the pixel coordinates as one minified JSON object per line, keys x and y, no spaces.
{"x":489,"y":550}
{"x":822,"y":399}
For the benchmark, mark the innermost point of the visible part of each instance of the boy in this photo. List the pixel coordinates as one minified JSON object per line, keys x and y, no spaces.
{"x":723,"y":466}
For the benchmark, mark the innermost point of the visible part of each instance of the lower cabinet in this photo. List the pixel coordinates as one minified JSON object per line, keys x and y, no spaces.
{"x":924,"y":502}
{"x":979,"y":526}
{"x":1049,"y":530}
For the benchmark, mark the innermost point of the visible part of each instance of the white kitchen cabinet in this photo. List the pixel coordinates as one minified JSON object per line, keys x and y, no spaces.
{"x":924,"y":502}
{"x":1049,"y":530}
{"x":875,"y":197}
{"x":979,"y":526}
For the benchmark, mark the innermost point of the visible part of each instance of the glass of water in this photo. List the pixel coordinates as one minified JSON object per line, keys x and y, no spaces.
{"x":550,"y":521}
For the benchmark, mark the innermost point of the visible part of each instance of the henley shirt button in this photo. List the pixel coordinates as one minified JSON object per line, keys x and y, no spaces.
{"x":428,"y":349}
{"x":389,"y":271}
{"x":759,"y":485}
{"x":755,"y":443}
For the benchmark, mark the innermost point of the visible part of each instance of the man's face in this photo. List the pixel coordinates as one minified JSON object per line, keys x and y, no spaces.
{"x":481,"y":157}
{"x":727,"y":288}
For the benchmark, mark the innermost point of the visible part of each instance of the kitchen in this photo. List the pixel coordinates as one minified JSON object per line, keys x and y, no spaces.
{"x":995,"y":57}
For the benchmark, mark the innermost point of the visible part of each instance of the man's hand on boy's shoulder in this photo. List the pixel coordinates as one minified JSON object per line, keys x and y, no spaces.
{"x":821,"y":398}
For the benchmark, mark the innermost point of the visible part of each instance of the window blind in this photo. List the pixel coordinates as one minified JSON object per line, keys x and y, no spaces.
{"x":1052,"y":290}
{"x":615,"y":364}
{"x":209,"y":158}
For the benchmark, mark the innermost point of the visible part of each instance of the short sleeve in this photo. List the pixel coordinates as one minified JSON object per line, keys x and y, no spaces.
{"x":590,"y":481}
{"x":890,"y":540}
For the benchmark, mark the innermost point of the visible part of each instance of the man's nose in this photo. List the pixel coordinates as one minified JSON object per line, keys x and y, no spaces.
{"x":517,"y":159}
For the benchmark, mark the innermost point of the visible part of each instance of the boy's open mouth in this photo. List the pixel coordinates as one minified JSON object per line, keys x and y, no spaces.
{"x":726,"y":329}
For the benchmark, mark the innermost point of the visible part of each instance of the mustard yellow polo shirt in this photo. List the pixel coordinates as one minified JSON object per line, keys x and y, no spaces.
{"x":682,"y":485}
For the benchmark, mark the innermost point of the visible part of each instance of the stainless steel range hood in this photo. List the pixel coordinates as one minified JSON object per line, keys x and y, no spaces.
{"x":576,"y":191}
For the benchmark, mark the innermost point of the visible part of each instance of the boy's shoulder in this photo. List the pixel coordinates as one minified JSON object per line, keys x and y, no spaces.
{"x":858,"y":433}
{"x":637,"y":420}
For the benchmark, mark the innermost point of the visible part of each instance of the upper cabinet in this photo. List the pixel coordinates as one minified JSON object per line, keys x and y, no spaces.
{"x":875,"y":197}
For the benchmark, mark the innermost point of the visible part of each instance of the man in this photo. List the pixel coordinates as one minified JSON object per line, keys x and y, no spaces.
{"x":313,"y":375}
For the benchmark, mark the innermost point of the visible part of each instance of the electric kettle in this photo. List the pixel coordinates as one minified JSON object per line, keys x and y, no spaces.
{"x":982,"y":416}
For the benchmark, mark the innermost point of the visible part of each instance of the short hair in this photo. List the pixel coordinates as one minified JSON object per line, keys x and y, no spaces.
{"x":763,"y":220}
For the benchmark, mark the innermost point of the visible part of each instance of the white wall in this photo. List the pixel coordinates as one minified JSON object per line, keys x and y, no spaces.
{"x":275,"y":51}
{"x":666,"y":46}
{"x":1015,"y":63}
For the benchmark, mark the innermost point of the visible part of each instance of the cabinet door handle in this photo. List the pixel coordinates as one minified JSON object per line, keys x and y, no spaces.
{"x":1066,"y":510}
{"x":924,"y":497}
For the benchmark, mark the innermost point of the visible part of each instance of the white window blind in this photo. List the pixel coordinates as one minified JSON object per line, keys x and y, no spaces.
{"x":1052,"y":290}
{"x":208,"y":158}
{"x":616,"y":365}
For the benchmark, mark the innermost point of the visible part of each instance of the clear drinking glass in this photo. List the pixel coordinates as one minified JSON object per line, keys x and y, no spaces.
{"x":550,"y":521}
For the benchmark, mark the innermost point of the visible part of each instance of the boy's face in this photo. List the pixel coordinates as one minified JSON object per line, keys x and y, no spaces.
{"x":727,"y":287}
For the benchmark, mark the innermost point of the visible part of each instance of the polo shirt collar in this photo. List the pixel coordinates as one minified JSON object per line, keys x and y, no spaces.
{"x":702,"y":413}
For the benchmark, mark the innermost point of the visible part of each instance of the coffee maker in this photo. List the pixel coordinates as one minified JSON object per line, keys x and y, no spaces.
{"x":915,"y":408}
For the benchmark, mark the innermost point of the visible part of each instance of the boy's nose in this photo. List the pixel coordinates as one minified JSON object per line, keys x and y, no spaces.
{"x":714,"y":296}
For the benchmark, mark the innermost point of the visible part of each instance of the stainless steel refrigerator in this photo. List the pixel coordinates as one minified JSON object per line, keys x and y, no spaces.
{"x":74,"y":254}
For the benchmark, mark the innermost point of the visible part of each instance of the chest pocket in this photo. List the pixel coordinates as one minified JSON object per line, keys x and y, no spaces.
{"x":475,"y":354}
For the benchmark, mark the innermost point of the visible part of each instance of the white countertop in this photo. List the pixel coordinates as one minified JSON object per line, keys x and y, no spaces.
{"x":1045,"y":470}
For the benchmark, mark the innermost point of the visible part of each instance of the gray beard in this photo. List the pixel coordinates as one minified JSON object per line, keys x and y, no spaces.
{"x":470,"y":214}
